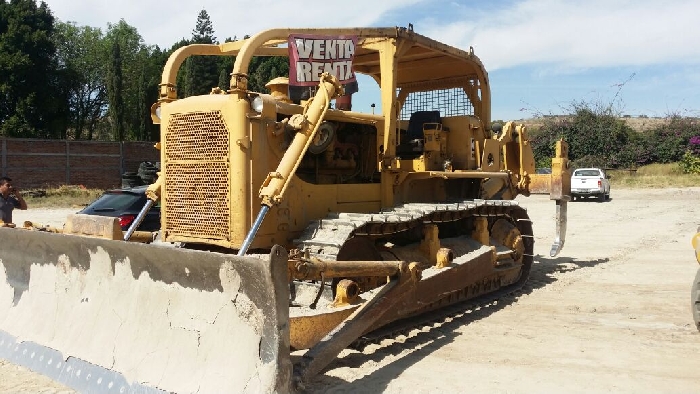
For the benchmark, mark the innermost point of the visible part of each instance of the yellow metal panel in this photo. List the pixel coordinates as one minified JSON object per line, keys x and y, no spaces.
{"x":367,"y":192}
{"x":510,"y":157}
{"x":306,"y":331}
{"x":491,"y":158}
{"x":527,"y":157}
{"x":696,"y":245}
{"x":242,"y":209}
{"x":540,"y":183}
{"x":561,"y":173}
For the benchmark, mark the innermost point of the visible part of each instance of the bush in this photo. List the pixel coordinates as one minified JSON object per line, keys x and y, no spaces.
{"x":543,"y":143}
{"x":637,"y":152}
{"x":694,"y":145}
{"x":690,"y":163}
{"x":598,"y":137}
{"x":596,"y":161}
{"x":593,"y":132}
{"x":671,"y":141}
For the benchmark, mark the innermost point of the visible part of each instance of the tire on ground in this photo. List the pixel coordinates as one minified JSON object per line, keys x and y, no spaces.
{"x":148,"y":172}
{"x":131,"y":179}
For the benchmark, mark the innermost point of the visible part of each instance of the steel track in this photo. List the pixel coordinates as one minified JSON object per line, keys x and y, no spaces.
{"x":325,"y":238}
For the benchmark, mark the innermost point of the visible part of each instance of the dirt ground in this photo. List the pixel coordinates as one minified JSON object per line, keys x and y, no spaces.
{"x":610,"y":314}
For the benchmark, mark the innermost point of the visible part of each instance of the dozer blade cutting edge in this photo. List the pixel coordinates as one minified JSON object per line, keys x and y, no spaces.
{"x":111,"y":316}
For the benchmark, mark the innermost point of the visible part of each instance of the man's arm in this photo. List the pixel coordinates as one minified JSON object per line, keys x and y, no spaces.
{"x":20,"y":200}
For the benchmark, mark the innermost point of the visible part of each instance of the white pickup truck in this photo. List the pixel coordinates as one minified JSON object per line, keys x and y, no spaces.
{"x":590,"y":182}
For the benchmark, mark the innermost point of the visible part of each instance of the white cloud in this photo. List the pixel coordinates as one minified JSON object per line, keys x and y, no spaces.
{"x":568,"y":34}
{"x":563,"y":42}
{"x":576,"y":34}
{"x":164,"y":23}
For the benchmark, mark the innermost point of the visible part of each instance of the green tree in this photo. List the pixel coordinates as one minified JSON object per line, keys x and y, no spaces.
{"x":182,"y":72}
{"x":225,"y":66}
{"x":82,"y":62}
{"x":142,"y":98}
{"x":115,"y":92}
{"x":151,"y":63}
{"x":263,"y":69}
{"x":224,"y":79}
{"x":135,"y":61}
{"x":201,"y":72}
{"x":87,"y":59}
{"x":31,"y":95}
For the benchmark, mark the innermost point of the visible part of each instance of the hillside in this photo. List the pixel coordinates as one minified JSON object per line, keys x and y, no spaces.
{"x":636,"y":123}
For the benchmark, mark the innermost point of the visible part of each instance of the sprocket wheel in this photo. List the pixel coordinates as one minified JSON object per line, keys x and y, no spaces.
{"x":361,"y":249}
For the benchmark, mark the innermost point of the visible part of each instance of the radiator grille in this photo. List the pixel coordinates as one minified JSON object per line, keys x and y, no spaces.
{"x":197,"y":136}
{"x":197,"y":173}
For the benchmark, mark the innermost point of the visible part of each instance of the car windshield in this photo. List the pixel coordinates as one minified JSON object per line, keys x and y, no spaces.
{"x":113,"y":202}
{"x":587,"y":173}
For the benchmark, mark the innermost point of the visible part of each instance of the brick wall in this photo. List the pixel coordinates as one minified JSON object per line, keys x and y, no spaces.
{"x":95,"y":164}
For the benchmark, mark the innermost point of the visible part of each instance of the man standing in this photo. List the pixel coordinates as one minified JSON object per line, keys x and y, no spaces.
{"x":10,"y":199}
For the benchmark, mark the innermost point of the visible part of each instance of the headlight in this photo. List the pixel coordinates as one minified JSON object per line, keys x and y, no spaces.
{"x":155,"y":113}
{"x":257,"y":104}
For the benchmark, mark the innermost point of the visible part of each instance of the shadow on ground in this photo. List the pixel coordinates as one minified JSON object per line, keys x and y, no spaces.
{"x":428,"y":337}
{"x":591,"y":200}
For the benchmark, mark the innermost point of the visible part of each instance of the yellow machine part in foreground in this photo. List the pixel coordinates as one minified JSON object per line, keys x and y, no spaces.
{"x":172,"y":319}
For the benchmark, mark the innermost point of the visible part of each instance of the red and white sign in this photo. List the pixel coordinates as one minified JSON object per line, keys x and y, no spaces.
{"x":312,"y":55}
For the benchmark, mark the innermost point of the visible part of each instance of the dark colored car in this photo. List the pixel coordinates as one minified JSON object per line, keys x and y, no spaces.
{"x":126,"y":205}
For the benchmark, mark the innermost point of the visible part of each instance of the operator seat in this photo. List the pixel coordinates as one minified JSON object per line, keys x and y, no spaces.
{"x":411,"y":145}
{"x":416,"y":122}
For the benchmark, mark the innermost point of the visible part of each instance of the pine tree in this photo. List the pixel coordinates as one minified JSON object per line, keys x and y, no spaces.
{"x":201,"y":73}
{"x":203,"y":32}
{"x":224,"y":80}
{"x":115,"y":93}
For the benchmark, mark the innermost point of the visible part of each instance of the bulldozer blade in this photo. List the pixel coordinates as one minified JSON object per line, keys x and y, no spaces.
{"x":112,"y":316}
{"x":540,"y":183}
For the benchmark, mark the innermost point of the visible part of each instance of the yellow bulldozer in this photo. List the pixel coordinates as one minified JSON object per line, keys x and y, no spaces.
{"x":289,"y":222}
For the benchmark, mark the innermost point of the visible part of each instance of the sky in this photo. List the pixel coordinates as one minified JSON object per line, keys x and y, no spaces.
{"x":640,"y":56}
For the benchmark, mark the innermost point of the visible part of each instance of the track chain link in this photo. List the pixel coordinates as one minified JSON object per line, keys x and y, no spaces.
{"x":324,"y":239}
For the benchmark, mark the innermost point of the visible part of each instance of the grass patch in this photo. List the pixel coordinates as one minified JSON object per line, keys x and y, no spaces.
{"x":61,"y":197}
{"x":653,"y":176}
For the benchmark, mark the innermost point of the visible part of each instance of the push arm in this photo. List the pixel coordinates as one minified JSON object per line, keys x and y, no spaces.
{"x":276,"y":183}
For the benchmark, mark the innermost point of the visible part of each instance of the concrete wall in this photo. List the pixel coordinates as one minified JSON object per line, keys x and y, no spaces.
{"x":35,"y":163}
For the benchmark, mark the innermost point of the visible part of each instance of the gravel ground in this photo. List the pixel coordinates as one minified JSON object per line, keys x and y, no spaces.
{"x":54,"y":217}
